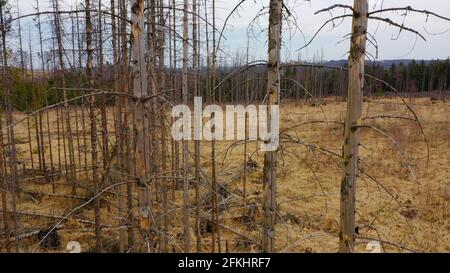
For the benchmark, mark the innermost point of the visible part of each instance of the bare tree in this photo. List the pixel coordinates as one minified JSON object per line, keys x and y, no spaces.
{"x":58,"y":32}
{"x":91,"y":85}
{"x":195,"y":67}
{"x":273,"y":97}
{"x":184,"y":86}
{"x":351,"y":142}
{"x":9,"y":121}
{"x":140,"y":91}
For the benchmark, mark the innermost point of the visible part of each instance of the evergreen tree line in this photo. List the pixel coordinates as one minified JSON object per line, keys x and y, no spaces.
{"x":31,"y":93}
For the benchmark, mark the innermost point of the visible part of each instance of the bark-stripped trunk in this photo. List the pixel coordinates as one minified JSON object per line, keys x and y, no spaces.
{"x":91,"y":85}
{"x":273,"y":97}
{"x":187,"y":237}
{"x":103,"y":111}
{"x":140,"y":91}
{"x":196,"y":142}
{"x":352,"y":121}
{"x":58,"y":31}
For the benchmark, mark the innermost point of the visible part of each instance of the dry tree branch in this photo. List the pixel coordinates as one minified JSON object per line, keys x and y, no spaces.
{"x":438,"y":33}
{"x":388,"y":117}
{"x":321,"y":27}
{"x":291,"y":139}
{"x":315,"y":176}
{"x":393,"y":197}
{"x":336,"y":6}
{"x":311,"y":122}
{"x":419,"y":123}
{"x":225,"y":24}
{"x":397,"y":146}
{"x":238,"y":71}
{"x":409,"y":8}
{"x":65,"y":217}
{"x":402,"y":27}
{"x":311,"y":95}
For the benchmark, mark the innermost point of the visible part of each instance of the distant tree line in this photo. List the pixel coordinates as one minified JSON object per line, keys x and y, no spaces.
{"x":412,"y":77}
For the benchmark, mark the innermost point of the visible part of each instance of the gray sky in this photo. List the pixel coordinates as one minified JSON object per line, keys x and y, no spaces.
{"x":325,"y":45}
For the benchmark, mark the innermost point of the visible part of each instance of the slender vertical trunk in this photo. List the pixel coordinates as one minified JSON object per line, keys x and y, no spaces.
{"x":176,"y":146}
{"x":273,"y":97}
{"x":125,"y":128}
{"x":103,"y":109}
{"x":208,"y":64}
{"x":91,"y":85}
{"x":11,"y":139}
{"x":196,"y":47}
{"x":140,"y":91}
{"x":214,"y":215}
{"x":246,"y":94}
{"x":49,"y":178}
{"x":119,"y":125}
{"x":154,"y":84}
{"x":162,"y":22}
{"x":4,"y":185}
{"x":58,"y":32}
{"x":187,"y":233}
{"x":72,"y":24}
{"x":352,"y":121}
{"x":19,"y":29}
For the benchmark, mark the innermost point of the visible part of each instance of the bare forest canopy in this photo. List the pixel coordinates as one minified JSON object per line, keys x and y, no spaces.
{"x":89,"y":160}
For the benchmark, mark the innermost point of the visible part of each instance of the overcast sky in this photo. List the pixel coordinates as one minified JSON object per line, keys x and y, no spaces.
{"x":327,"y":45}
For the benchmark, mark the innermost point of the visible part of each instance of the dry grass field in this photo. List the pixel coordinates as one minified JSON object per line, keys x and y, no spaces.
{"x":402,"y":197}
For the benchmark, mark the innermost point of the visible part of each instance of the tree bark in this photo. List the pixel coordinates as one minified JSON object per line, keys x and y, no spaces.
{"x":10,"y":132}
{"x":140,"y":91}
{"x":58,"y":32}
{"x":352,"y":121}
{"x":196,"y":47}
{"x":93,"y":118}
{"x":187,"y":233}
{"x":273,"y":97}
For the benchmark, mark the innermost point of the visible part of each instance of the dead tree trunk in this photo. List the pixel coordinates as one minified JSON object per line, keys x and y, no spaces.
{"x":58,"y":32}
{"x":119,"y":125}
{"x":91,"y":85}
{"x":352,"y":121}
{"x":140,"y":91}
{"x":273,"y":96}
{"x":196,"y":142}
{"x":187,"y":237}
{"x":125,"y":132}
{"x":153,"y":84}
{"x":163,"y":136}
{"x":175,"y":98}
{"x":10,"y":130}
{"x":104,"y":121}
{"x":4,"y":186}
{"x":214,"y":214}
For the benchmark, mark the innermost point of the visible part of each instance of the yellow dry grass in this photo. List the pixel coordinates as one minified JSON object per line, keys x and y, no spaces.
{"x":404,"y":209}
